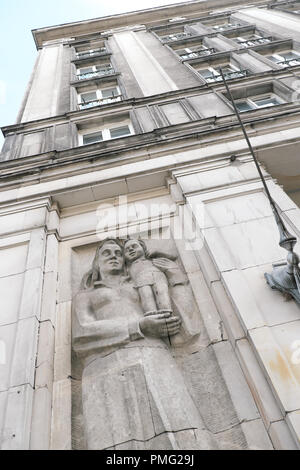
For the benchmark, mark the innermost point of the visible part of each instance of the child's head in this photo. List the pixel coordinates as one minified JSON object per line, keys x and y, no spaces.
{"x":134,"y":249}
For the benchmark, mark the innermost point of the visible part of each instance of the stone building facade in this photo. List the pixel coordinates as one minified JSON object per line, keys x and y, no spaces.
{"x":126,"y":129}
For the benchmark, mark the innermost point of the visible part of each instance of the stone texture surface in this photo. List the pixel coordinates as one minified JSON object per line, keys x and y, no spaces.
{"x":249,"y":293}
{"x":61,"y":416}
{"x":10,"y":303}
{"x":264,"y":399}
{"x":281,"y":436}
{"x":24,"y":356}
{"x":293,"y":420}
{"x":279,"y":370}
{"x":235,"y":381}
{"x":41,"y":420}
{"x":16,"y":430}
{"x":228,"y":315}
{"x":256,"y":436}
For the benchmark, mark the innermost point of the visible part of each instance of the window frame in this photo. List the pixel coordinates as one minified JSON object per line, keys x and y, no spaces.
{"x":280,"y":58}
{"x":216,"y":73}
{"x":226,"y":26}
{"x":245,"y":42}
{"x":96,"y":68}
{"x":99,"y":94}
{"x":105,"y":130}
{"x":92,"y":133}
{"x":90,"y":52}
{"x":187,"y":55}
{"x":251,"y":101}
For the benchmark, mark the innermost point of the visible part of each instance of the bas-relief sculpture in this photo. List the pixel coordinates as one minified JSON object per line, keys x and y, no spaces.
{"x":130,"y":312}
{"x":144,"y":371}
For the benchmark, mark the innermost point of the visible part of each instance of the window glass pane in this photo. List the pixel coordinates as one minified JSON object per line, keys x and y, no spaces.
{"x":265,"y":102}
{"x":290,"y":55}
{"x":92,"y":138}
{"x":83,"y":52}
{"x":91,"y":96}
{"x":86,"y":70}
{"x":103,"y":67}
{"x":206,"y":73}
{"x":243,"y":106}
{"x":273,"y":59}
{"x":228,"y":69}
{"x":109,"y":92}
{"x":119,"y":132}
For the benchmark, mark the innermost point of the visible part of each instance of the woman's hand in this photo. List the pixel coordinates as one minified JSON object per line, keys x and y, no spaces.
{"x":160,"y":325}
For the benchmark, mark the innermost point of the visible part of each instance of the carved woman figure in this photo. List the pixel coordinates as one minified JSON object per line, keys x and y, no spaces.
{"x":133,"y":393}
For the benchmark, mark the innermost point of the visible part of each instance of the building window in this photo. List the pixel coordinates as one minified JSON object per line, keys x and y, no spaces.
{"x":119,"y":132}
{"x":106,"y":133}
{"x":99,"y":97}
{"x":92,"y":138}
{"x":286,"y":59}
{"x":94,"y":71}
{"x":257,"y":102}
{"x":175,"y":37}
{"x":211,"y":75}
{"x":293,"y":7}
{"x":91,"y":52}
{"x":195,"y":52}
{"x":226,"y":26}
{"x":252,"y":40}
{"x":176,"y":18}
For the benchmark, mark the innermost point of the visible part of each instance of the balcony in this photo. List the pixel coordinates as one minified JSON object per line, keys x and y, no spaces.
{"x":227,"y":26}
{"x":289,"y":62}
{"x":176,"y":37}
{"x":255,"y":42}
{"x":235,"y":74}
{"x":100,"y":102}
{"x":197,"y":54}
{"x":91,"y":53}
{"x":96,"y":74}
{"x":229,"y":75}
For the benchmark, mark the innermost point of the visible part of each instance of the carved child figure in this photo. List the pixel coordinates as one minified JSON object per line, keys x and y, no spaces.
{"x":150,"y":281}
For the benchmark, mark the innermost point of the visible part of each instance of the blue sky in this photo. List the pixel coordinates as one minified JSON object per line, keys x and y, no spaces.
{"x":17,"y":48}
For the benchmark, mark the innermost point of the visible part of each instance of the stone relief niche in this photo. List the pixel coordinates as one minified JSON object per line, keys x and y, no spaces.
{"x":144,"y":374}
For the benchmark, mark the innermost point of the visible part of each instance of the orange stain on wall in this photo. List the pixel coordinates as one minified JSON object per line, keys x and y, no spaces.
{"x":280,"y":367}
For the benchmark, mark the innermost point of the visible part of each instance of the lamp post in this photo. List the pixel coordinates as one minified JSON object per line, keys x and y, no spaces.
{"x":285,"y":277}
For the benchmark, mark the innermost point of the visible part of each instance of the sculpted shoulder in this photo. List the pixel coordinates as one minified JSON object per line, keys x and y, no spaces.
{"x":84,"y":296}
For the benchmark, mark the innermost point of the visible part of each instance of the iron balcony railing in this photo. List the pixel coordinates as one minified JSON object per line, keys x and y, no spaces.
{"x":255,"y":42}
{"x":199,"y":53}
{"x":289,"y":62}
{"x":83,"y":55}
{"x":92,"y":103}
{"x":227,"y":75}
{"x":225,"y":27}
{"x":176,"y":37}
{"x":97,"y":73}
